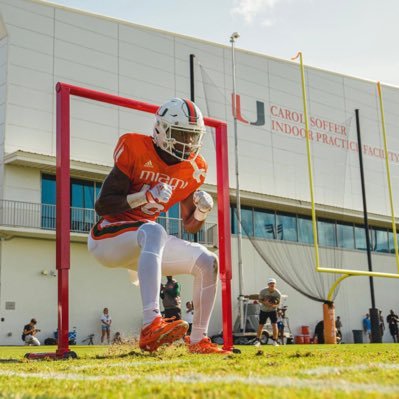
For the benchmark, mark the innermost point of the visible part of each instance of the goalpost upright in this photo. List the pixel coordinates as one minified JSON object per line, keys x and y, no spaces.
{"x":328,"y":308}
{"x":64,"y":92}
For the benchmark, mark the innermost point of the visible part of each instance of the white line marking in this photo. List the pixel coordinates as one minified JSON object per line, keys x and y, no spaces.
{"x":193,"y":378}
{"x":132,"y":364}
{"x":344,"y":369}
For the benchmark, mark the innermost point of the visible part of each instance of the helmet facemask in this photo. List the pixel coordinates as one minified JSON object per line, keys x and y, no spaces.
{"x":178,"y":133}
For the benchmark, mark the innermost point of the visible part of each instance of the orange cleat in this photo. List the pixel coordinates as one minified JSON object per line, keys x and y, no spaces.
{"x":205,"y":347}
{"x":160,"y":332}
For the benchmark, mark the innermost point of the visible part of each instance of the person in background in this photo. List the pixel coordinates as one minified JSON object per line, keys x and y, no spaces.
{"x":269,"y":299}
{"x":367,"y":326}
{"x":393,"y":321}
{"x":106,"y":322}
{"x":280,"y":325}
{"x":29,"y":332}
{"x":338,"y":326}
{"x":117,"y":340}
{"x":381,"y":323}
{"x":188,"y":317}
{"x":318,"y":336}
{"x":170,"y":295}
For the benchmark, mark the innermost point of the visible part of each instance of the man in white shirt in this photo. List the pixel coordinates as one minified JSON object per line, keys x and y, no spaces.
{"x":269,"y":299}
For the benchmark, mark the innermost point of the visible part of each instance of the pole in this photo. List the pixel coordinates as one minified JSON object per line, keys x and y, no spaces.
{"x":374,"y":316}
{"x":192,"y":98}
{"x":192,"y":85}
{"x":233,"y":39}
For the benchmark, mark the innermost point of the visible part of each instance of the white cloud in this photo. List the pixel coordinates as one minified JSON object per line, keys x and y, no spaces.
{"x":249,"y":9}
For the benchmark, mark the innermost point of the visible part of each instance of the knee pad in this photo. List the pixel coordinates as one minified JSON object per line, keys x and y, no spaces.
{"x":151,"y":237}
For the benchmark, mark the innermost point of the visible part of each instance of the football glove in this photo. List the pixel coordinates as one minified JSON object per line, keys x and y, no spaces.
{"x":204,"y":204}
{"x":159,"y":193}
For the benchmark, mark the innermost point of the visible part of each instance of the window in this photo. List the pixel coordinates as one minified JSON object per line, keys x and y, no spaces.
{"x":290,"y":227}
{"x":83,"y":196}
{"x":391,"y":243}
{"x":286,"y":227}
{"x":345,"y":236}
{"x":360,"y":238}
{"x":379,"y":240}
{"x":246,"y":221}
{"x":326,"y":232}
{"x":265,"y":224}
{"x":305,"y":230}
{"x":48,"y":202}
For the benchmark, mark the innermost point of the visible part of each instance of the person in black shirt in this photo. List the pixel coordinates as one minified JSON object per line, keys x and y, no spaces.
{"x":319,"y":332}
{"x":393,"y":320}
{"x":29,"y":332}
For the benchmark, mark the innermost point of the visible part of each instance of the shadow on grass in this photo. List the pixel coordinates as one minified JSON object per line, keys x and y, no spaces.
{"x":122,"y":355}
{"x":10,"y":361}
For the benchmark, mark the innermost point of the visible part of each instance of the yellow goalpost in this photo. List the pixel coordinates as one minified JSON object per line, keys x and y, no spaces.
{"x":328,"y":309}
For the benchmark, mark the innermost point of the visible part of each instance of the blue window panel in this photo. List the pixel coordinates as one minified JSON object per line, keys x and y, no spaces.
{"x":287,"y":227}
{"x":82,"y":202}
{"x":173,"y":222}
{"x":360,"y":238}
{"x":345,"y":236}
{"x":97,"y":189}
{"x":379,"y":240}
{"x":233,"y":219}
{"x":82,"y":194}
{"x":326,"y":233}
{"x":305,"y":230}
{"x":48,"y":202}
{"x":265,"y":224}
{"x":246,"y":220}
{"x":391,"y":243}
{"x":48,"y":190}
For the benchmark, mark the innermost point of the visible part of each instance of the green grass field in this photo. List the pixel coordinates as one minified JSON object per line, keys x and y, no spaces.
{"x":285,"y":372}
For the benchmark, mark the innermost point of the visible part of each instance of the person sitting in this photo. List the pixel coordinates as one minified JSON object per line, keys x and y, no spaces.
{"x":29,"y":332}
{"x":117,"y":340}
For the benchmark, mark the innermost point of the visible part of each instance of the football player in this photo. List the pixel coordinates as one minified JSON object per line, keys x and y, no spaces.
{"x":150,"y":175}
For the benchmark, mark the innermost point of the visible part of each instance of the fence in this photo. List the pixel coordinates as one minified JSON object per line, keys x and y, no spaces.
{"x":43,"y":216}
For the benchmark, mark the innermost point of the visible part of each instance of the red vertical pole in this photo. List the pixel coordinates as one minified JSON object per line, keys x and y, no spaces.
{"x":224,"y":232}
{"x":62,"y":214}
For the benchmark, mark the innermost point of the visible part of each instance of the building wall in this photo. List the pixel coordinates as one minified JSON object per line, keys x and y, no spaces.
{"x":150,"y":65}
{"x":3,"y":93}
{"x":27,"y":279}
{"x":46,"y":44}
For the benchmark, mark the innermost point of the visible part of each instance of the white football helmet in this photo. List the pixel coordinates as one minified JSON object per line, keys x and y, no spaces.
{"x":179,"y":128}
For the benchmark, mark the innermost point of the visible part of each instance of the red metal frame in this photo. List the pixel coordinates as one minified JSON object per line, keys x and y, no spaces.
{"x":64,"y":92}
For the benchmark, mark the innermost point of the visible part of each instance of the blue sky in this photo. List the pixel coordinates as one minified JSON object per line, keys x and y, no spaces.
{"x":354,"y":37}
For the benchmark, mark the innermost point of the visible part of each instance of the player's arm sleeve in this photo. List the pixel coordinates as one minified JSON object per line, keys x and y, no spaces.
{"x":112,"y":198}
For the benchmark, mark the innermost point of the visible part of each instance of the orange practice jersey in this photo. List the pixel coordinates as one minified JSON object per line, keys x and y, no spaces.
{"x":137,"y":158}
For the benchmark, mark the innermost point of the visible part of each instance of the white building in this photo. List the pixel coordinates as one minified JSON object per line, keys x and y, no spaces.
{"x":42,"y":44}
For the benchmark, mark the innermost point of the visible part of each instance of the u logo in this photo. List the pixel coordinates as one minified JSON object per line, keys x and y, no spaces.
{"x":260,"y":111}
